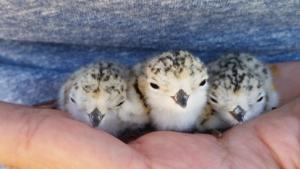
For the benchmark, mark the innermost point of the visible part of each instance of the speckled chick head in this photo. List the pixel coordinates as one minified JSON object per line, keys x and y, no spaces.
{"x":95,"y":91}
{"x":174,"y":84}
{"x":237,"y":91}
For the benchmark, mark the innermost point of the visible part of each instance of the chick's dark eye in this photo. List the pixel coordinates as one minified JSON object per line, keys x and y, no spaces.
{"x":213,"y":100}
{"x":202,"y":83}
{"x":120,"y":103}
{"x":72,"y":100}
{"x":154,"y":86}
{"x":260,"y":99}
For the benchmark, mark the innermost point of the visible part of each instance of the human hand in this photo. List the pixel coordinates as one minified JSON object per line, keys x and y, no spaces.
{"x":43,"y":138}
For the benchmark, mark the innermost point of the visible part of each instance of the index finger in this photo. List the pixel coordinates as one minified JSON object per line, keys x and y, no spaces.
{"x":287,"y":81}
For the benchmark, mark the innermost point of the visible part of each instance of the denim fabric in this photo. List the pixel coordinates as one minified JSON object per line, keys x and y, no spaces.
{"x":33,"y":72}
{"x":44,"y":40}
{"x":204,"y":25}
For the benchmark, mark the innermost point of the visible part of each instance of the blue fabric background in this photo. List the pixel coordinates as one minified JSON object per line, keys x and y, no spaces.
{"x":205,"y":25}
{"x":42,"y":41}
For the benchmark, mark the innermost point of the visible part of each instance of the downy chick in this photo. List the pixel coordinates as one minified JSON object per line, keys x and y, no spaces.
{"x":102,"y":95}
{"x":174,"y":86}
{"x":241,"y":89}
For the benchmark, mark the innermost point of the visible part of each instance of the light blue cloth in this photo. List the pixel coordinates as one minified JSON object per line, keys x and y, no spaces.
{"x":264,"y":26}
{"x":44,"y":40}
{"x":33,"y":72}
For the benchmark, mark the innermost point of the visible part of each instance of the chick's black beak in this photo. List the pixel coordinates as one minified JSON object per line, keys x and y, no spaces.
{"x":238,"y":113}
{"x":181,"y":98}
{"x":95,"y":117}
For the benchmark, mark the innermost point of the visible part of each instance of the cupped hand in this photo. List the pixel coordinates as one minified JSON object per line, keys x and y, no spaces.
{"x":43,"y":138}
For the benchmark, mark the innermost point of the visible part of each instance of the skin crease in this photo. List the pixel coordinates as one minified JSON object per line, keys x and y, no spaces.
{"x":34,"y":138}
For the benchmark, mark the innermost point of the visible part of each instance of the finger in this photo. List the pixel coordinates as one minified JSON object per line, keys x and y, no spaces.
{"x":11,"y":167}
{"x":178,"y":150}
{"x":286,"y":81}
{"x":31,"y":139}
{"x":50,"y":104}
{"x":275,"y":134}
{"x":270,"y":141}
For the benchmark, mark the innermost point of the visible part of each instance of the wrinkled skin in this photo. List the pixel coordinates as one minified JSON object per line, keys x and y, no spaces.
{"x":34,"y":138}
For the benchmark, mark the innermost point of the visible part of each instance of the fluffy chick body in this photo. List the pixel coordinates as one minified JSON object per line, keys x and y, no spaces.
{"x":174,"y":86}
{"x":241,"y":89}
{"x":102,"y":95}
